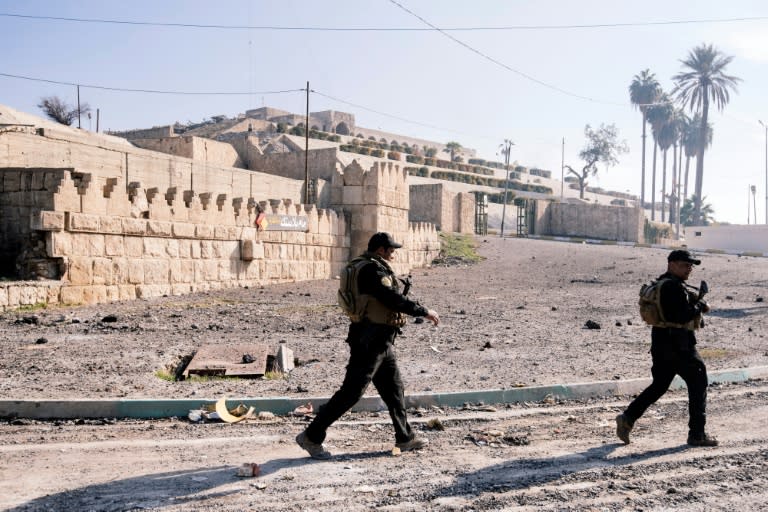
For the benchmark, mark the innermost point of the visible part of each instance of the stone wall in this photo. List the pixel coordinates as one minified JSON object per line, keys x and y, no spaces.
{"x":156,"y":132}
{"x":604,"y":222}
{"x":450,"y":211}
{"x":90,"y":218}
{"x":103,"y":243}
{"x":196,"y":148}
{"x":109,"y":158}
{"x":378,"y":199}
{"x":321,"y":163}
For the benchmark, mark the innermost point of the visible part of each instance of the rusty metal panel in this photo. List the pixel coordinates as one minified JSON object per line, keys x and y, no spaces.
{"x":227,"y":360}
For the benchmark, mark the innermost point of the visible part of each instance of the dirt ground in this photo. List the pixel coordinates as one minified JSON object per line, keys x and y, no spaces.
{"x":516,"y":318}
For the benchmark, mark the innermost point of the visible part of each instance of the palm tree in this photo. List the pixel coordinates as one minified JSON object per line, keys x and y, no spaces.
{"x":643,"y":92}
{"x":667,"y":137}
{"x":687,"y":212}
{"x":690,"y":142}
{"x":702,"y":80}
{"x":657,"y":117}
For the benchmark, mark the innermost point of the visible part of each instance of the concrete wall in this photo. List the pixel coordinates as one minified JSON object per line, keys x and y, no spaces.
{"x":741,"y":238}
{"x":604,"y":222}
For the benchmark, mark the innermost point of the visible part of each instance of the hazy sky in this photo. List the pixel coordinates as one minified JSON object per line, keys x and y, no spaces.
{"x":545,"y":84}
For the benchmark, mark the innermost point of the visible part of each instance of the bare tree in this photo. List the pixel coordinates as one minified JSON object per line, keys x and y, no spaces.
{"x":60,"y":111}
{"x":603,"y":145}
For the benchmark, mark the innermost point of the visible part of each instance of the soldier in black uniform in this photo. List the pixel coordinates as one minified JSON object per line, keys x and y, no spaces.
{"x":673,"y":349}
{"x":372,"y":354}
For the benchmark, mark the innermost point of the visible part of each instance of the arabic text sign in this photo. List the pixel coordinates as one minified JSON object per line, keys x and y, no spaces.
{"x":277,"y":222}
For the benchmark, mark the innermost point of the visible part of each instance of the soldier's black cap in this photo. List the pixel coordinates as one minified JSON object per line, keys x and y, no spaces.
{"x":682,"y":255}
{"x":384,"y":240}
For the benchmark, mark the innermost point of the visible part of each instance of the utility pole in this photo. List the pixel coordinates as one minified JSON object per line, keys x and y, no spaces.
{"x":506,"y":148}
{"x":562,"y":171}
{"x":306,"y":151}
{"x":766,"y":171}
{"x":78,"y":107}
{"x":97,"y":120}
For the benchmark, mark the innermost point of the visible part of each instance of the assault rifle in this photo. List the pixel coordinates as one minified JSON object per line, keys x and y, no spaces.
{"x":407,"y":283}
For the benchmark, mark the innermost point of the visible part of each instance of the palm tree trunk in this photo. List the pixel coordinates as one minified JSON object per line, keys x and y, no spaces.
{"x":663,"y":183}
{"x":700,"y":158}
{"x":642,"y":169}
{"x":653,"y":182}
{"x":687,"y":166}
{"x":673,"y":186}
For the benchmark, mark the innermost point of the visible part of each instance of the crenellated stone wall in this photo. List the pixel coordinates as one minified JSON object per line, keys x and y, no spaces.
{"x":89,"y":218}
{"x":376,"y":200}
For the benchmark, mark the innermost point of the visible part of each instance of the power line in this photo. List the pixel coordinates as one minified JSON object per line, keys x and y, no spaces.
{"x":499,"y":63}
{"x":392,"y":116}
{"x":148,"y":91}
{"x":153,"y":91}
{"x":389,"y":29}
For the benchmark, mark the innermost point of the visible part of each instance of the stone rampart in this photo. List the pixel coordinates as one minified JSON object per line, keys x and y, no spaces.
{"x":449,"y":211}
{"x":102,"y":243}
{"x":146,"y":133}
{"x":196,"y":148}
{"x":89,"y":218}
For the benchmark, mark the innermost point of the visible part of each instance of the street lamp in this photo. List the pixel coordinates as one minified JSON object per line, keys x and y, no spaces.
{"x":506,"y":149}
{"x":766,"y":172}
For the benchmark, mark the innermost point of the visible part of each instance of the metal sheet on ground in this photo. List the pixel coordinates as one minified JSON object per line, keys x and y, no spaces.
{"x":228,"y":360}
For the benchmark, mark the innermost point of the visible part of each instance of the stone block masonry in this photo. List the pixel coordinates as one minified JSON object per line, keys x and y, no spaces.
{"x":90,"y":219}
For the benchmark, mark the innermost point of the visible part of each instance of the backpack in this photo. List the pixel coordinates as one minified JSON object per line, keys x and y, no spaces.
{"x":348,"y":296}
{"x":650,"y":307}
{"x":650,"y":303}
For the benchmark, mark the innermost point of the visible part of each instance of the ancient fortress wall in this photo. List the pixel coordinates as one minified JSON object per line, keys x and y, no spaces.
{"x":91,"y":219}
{"x":450,"y":212}
{"x":197,"y":148}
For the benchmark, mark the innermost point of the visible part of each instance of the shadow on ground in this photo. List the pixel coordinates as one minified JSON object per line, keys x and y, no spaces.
{"x":523,"y":473}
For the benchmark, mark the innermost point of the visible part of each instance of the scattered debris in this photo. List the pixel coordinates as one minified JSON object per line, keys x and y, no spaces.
{"x":228,"y":417}
{"x":229,"y":361}
{"x":303,"y":410}
{"x":249,"y":469}
{"x":41,"y":341}
{"x":435,"y":349}
{"x":284,"y":358}
{"x":591,"y":324}
{"x":435,"y":424}
{"x":759,"y":299}
{"x":418,"y":320}
{"x":109,"y":319}
{"x":395,"y":451}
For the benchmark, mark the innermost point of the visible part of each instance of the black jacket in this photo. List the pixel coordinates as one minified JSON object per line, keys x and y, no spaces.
{"x":379,"y":280}
{"x":678,"y":306}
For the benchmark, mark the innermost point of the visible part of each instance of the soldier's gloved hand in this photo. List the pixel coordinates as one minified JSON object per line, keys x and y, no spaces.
{"x":704,"y":306}
{"x":433,"y":317}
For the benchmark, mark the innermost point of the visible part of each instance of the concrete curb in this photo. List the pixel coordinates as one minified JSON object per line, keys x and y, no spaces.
{"x":577,"y":240}
{"x":161,"y":408}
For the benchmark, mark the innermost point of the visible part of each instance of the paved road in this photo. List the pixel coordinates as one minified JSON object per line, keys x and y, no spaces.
{"x":542,"y":456}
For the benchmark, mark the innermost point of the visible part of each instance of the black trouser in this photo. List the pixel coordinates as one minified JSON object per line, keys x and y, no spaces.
{"x":674,"y":353}
{"x":371,"y":359}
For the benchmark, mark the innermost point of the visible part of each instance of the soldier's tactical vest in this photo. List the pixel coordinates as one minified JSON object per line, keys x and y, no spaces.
{"x":361,"y":306}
